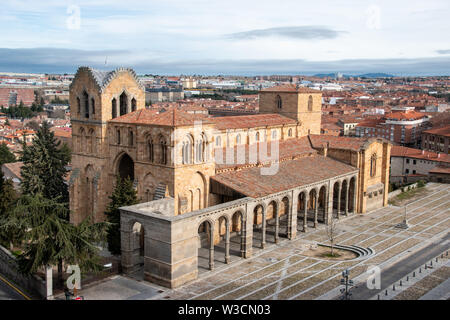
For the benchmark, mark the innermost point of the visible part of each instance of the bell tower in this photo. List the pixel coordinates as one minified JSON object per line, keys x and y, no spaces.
{"x":301,"y":104}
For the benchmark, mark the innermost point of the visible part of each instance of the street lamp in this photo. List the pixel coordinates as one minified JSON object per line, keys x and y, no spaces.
{"x":348,"y":283}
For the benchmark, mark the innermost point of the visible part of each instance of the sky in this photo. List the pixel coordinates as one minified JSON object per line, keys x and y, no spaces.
{"x":246,"y":37}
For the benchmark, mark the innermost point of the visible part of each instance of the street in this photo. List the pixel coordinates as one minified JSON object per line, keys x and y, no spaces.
{"x":7,"y":292}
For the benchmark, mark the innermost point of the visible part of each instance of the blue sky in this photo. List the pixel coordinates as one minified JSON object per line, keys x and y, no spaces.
{"x":227,"y":37}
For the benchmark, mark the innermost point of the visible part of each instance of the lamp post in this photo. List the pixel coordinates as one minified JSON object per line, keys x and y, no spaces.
{"x":348,"y":283}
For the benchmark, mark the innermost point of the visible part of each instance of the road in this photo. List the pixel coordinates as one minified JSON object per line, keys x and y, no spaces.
{"x":402,"y":268}
{"x":7,"y":292}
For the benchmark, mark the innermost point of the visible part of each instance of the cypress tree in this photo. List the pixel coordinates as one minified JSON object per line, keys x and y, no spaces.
{"x":124,"y":194}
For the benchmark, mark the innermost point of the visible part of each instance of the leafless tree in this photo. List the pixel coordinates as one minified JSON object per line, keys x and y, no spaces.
{"x":332,"y":231}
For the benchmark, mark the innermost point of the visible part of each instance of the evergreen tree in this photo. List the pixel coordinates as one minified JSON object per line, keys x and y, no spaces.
{"x":124,"y":194}
{"x":7,"y":193}
{"x":6,"y":156}
{"x":48,"y":239}
{"x":44,"y":166}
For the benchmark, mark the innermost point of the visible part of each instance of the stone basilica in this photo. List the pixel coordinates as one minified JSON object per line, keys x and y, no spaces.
{"x":213,"y":188}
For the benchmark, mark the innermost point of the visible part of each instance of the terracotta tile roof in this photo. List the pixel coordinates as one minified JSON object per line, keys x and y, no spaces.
{"x":410,"y":115}
{"x":14,"y":168}
{"x":251,"y":121}
{"x":444,"y":131}
{"x":62,"y":132}
{"x":172,"y":117}
{"x":440,"y":170}
{"x":399,"y":151}
{"x":290,"y":88}
{"x":287,"y":150}
{"x":294,"y":173}
{"x":346,"y":143}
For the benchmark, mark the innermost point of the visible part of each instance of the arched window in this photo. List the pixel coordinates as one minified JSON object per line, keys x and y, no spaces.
{"x":310,"y":103}
{"x":279,"y":102}
{"x":257,"y":136}
{"x":133,"y":104}
{"x":187,"y":150}
{"x":114,"y":108}
{"x":93,"y":105}
{"x":163,"y":145}
{"x":150,"y":150}
{"x":123,"y":104}
{"x":130,"y":137}
{"x":290,"y":133}
{"x":373,"y":165}
{"x":79,"y":105}
{"x":118,"y":136}
{"x":274,"y":134}
{"x":200,"y":149}
{"x":218,"y":141}
{"x":86,"y":104}
{"x":238,"y":139}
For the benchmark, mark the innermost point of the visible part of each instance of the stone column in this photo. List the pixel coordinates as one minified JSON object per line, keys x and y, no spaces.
{"x":211,"y":250}
{"x":242,"y":236}
{"x":339,"y":201}
{"x":292,"y":217}
{"x":263,"y":241}
{"x":305,"y":214}
{"x":227,"y":242}
{"x":346,"y":198}
{"x":316,"y":208}
{"x":277,"y":224}
{"x":355,"y":189}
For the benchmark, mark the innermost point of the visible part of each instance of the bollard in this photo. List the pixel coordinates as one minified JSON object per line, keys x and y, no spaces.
{"x":420,"y":270}
{"x":436,"y":259}
{"x":431,"y":263}
{"x":378,"y":297}
{"x":385,"y":293}
{"x":425,"y":267}
{"x":393,"y":287}
{"x":401,"y":283}
{"x":407,"y":278}
{"x":414,"y":274}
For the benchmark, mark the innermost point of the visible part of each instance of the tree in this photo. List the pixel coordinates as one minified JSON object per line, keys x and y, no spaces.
{"x":332,"y":231}
{"x":48,"y":239}
{"x":44,"y":166}
{"x":7,"y":197}
{"x":124,"y":194}
{"x":6,"y":156}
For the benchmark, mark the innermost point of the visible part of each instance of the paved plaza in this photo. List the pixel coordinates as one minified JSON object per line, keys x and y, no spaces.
{"x":281,"y":271}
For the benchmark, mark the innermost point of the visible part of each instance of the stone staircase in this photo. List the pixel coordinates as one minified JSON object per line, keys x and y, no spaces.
{"x":361,"y":252}
{"x":160,"y":192}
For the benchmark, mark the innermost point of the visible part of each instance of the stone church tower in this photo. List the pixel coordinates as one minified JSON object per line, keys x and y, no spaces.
{"x":301,"y":104}
{"x":95,"y":98}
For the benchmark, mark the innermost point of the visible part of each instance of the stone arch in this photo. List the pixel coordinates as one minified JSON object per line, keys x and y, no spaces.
{"x":259,"y":223}
{"x":336,"y":198}
{"x":164,"y":153}
{"x":125,"y":166}
{"x":278,"y":102}
{"x":187,"y":151}
{"x":88,"y":190}
{"x":344,"y":187}
{"x":198,"y":182}
{"x":373,"y":165}
{"x":205,"y":256}
{"x":123,"y":103}
{"x":114,"y":108}
{"x":352,"y":195}
{"x":322,"y":203}
{"x":133,"y":105}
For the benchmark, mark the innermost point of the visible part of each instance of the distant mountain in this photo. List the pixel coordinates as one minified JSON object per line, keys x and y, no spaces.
{"x":365,"y":75}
